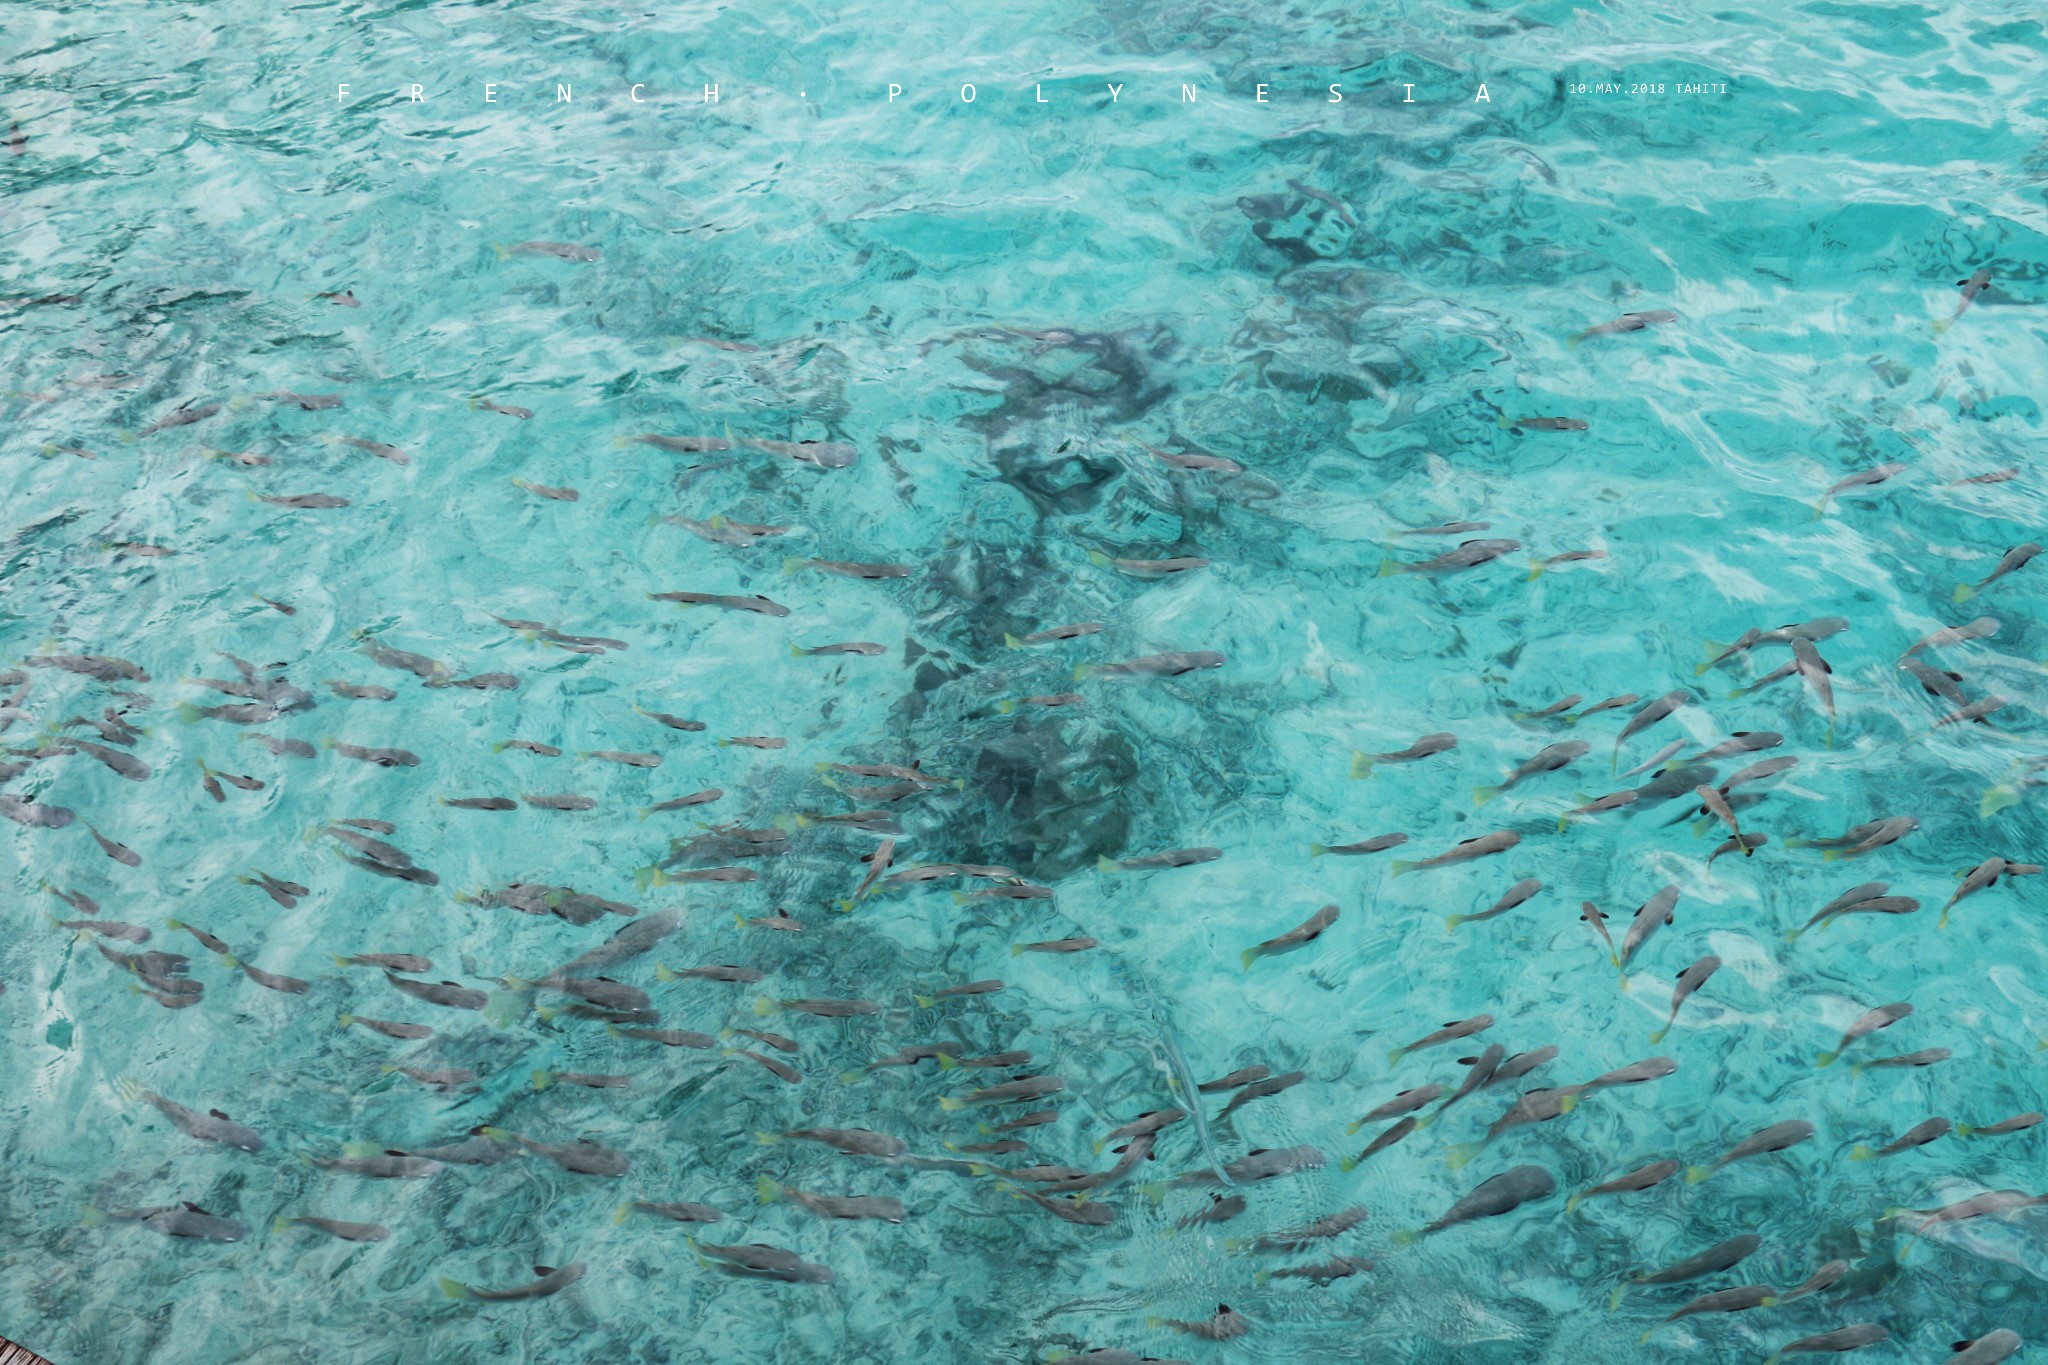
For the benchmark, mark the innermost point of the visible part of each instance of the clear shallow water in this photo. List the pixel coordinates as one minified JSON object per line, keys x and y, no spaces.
{"x":995,"y":306}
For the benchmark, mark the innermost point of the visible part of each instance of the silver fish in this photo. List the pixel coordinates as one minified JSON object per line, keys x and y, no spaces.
{"x":1816,"y":1282}
{"x":335,"y":1228}
{"x":1715,"y":1259}
{"x":1393,"y":1134}
{"x":177,"y":1220}
{"x":1464,"y":851}
{"x":1627,"y":322}
{"x":764,"y":1262}
{"x":1884,"y":1016}
{"x":1362,"y":763}
{"x":1919,"y":1135}
{"x":561,"y":251}
{"x":1641,"y":1178}
{"x":1650,"y":714}
{"x":1518,"y":894}
{"x":881,"y":1208}
{"x":2017,"y":1123}
{"x":1740,"y":1299}
{"x":1547,"y":760}
{"x":1469,"y":554}
{"x":1635,"y":1073}
{"x":213,"y":1126}
{"x":1977,"y":283}
{"x":1689,"y":981}
{"x":1864,"y":478}
{"x":1653,"y":914}
{"x":1379,"y":843}
{"x":1169,"y":665}
{"x":1300,"y":936}
{"x":1839,"y":1340}
{"x":822,"y":454}
{"x":1775,"y":1138}
{"x":579,"y":1157}
{"x":759,"y":605}
{"x":848,"y":1141}
{"x":1196,"y":461}
{"x":444,"y":993}
{"x":2012,"y":561}
{"x":548,"y":1281}
{"x":1983,"y":628}
{"x":1407,"y":1102}
{"x":1179,"y":857}
{"x":1500,"y":1195}
{"x":1462,"y":1028}
{"x":678,"y":1212}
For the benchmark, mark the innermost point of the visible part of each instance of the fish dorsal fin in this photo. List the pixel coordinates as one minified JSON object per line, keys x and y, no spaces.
{"x":451,"y":983}
{"x":188,"y":1204}
{"x":543,"y":1270}
{"x":393,"y":1151}
{"x":217,"y":1114}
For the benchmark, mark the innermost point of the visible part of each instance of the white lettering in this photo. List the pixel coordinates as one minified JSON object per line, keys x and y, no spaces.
{"x":1115,"y":90}
{"x":894,"y":91}
{"x":1259,"y":94}
{"x":711,"y":94}
{"x":490,"y":94}
{"x":634,"y":94}
{"x":967,"y":94}
{"x":1336,"y":94}
{"x":562,"y":95}
{"x":1039,"y":90}
{"x":1411,"y":93}
{"x":418,"y":94}
{"x":342,"y":93}
{"x":1187,"y":94}
{"x":1482,"y":97}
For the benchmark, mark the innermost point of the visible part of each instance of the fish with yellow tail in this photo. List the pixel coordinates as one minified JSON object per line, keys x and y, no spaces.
{"x":1502,"y":1194}
{"x":1441,"y":742}
{"x":1883,"y":1017}
{"x":1300,"y":936}
{"x":1547,"y":760}
{"x":1464,"y":851}
{"x":1776,"y":1138}
{"x":2012,"y":561}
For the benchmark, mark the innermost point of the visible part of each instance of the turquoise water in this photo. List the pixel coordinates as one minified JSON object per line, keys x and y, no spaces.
{"x":999,"y":306}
